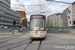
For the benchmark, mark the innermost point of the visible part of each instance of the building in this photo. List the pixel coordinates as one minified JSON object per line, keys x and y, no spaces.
{"x":23,"y":18}
{"x":73,"y":14}
{"x":69,"y":16}
{"x":23,"y":15}
{"x":7,"y":15}
{"x":55,"y":20}
{"x":47,"y":21}
{"x":65,"y":18}
{"x":50,"y":21}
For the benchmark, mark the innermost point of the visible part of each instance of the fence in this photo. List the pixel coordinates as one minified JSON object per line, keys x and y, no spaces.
{"x":10,"y":29}
{"x":64,"y":30}
{"x":52,"y":30}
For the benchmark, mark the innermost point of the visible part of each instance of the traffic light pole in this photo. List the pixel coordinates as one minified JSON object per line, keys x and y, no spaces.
{"x":14,"y":23}
{"x":13,"y":30}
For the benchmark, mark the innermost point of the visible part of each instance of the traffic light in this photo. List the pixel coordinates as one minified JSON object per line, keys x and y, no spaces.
{"x":14,"y":22}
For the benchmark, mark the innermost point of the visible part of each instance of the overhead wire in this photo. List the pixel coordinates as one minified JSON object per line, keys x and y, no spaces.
{"x":43,"y":5}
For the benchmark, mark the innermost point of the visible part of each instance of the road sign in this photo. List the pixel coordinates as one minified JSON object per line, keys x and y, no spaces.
{"x":60,"y":30}
{"x":21,"y":29}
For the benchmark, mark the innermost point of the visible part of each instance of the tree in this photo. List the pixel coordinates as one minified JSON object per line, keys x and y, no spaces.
{"x":24,"y":23}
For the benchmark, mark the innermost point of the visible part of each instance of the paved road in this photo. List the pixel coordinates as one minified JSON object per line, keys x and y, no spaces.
{"x":52,"y":42}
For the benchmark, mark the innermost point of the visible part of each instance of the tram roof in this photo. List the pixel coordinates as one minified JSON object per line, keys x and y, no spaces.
{"x":38,"y":14}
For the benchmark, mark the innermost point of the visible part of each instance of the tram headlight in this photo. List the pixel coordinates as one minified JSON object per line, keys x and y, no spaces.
{"x":31,"y":32}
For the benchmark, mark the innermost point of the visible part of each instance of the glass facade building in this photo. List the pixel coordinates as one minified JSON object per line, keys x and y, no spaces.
{"x":7,"y":15}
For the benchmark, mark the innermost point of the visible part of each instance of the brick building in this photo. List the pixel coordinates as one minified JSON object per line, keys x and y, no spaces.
{"x":23,"y":15}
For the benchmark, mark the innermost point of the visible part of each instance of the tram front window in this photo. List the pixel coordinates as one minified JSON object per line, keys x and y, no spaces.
{"x":37,"y":25}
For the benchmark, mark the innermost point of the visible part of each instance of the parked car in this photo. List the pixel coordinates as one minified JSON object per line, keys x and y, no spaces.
{"x":5,"y":26}
{"x":2,"y":26}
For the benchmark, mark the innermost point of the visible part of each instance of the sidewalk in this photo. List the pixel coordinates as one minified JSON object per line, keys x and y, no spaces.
{"x":7,"y":34}
{"x":63,"y":36}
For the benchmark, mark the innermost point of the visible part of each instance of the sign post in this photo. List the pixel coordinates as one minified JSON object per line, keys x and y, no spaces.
{"x":13,"y":30}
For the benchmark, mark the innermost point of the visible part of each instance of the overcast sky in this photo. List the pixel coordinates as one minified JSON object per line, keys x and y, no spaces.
{"x":47,"y":8}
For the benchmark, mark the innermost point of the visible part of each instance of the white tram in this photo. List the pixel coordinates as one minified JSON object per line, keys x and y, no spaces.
{"x":37,"y":27}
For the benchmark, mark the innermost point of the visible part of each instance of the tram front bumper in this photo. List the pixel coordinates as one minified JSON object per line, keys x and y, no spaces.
{"x":38,"y":36}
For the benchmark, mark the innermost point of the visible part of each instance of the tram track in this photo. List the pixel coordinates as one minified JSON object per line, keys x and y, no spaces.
{"x":21,"y":43}
{"x":28,"y":43}
{"x":27,"y":46}
{"x":10,"y":37}
{"x":39,"y":45}
{"x":7,"y":39}
{"x":13,"y":43}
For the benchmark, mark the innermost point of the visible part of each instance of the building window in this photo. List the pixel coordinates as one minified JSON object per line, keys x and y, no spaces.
{"x":69,"y":11}
{"x":69,"y":17}
{"x":74,"y":22}
{"x":9,"y":10}
{"x":70,"y":22}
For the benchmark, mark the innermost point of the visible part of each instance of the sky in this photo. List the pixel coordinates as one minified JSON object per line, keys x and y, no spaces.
{"x":49,"y":7}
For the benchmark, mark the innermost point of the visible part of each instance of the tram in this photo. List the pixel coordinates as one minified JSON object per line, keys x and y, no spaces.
{"x":37,"y":27}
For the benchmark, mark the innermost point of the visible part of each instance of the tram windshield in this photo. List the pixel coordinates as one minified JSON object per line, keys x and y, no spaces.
{"x":37,"y":25}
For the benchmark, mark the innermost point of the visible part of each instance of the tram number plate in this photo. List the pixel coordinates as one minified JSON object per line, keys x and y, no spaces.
{"x":36,"y":32}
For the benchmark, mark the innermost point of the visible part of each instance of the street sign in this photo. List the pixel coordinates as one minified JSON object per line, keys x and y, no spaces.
{"x":21,"y":29}
{"x":60,"y":30}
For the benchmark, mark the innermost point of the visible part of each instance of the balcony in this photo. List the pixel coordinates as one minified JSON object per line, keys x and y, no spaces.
{"x":11,"y":10}
{"x":5,"y":19}
{"x":8,"y":16}
{"x":5,"y":23}
{"x":8,"y":12}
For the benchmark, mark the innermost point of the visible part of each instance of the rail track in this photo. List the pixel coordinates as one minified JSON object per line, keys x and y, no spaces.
{"x":26,"y":42}
{"x":10,"y":38}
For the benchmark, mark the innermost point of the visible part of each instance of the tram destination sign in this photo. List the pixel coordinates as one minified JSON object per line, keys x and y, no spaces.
{"x":37,"y":17}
